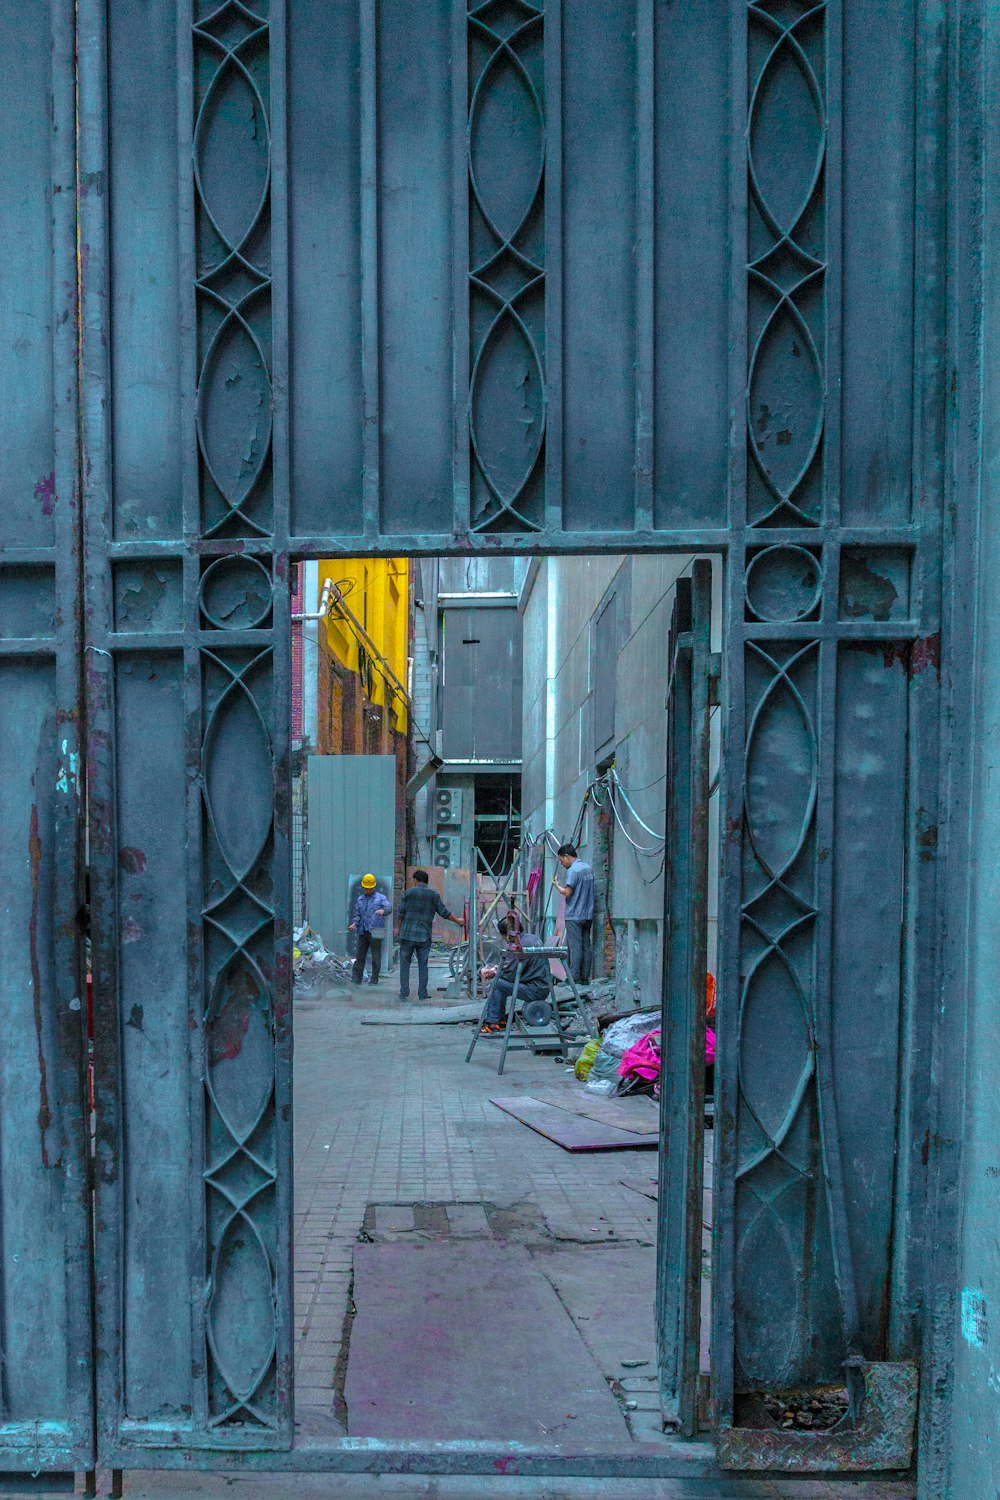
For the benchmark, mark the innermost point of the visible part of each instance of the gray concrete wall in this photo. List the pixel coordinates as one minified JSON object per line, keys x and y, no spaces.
{"x":559,"y":609}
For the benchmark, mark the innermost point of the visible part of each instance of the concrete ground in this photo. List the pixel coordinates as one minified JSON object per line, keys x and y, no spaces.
{"x":390,"y":1117}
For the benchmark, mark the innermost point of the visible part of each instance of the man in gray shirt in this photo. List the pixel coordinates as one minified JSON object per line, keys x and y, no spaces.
{"x":579,"y":916}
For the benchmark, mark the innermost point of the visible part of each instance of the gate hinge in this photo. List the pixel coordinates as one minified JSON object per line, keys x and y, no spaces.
{"x":714,"y":678}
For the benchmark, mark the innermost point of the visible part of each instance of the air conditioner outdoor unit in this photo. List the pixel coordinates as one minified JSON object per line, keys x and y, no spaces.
{"x":448,"y":806}
{"x":447,"y":850}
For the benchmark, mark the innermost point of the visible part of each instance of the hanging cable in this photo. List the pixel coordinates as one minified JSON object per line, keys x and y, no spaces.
{"x":644,"y":826}
{"x":650,"y":849}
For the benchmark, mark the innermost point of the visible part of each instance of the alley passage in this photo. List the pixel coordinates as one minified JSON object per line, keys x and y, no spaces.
{"x":411,"y":1188}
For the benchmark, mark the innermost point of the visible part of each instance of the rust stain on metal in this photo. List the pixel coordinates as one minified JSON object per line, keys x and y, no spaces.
{"x":229,"y":1031}
{"x":44,"y":1112}
{"x":879,"y":1437}
{"x":926,"y":653}
{"x":45,"y":491}
{"x":927,"y":842}
{"x":133,"y":861}
{"x":913,"y":656}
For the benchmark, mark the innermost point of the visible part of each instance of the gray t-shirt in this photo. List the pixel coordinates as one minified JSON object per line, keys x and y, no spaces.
{"x":580,"y":901}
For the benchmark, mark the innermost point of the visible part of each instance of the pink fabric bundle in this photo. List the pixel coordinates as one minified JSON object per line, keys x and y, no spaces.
{"x":643,"y":1059}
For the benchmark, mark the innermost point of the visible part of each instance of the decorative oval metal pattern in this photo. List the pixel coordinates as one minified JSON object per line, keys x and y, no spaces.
{"x":237,"y":773}
{"x":508,"y":407}
{"x":506,"y":167}
{"x":232,"y":152}
{"x":241,"y":1309}
{"x":787,"y":135}
{"x":773,"y":1006}
{"x":240,"y":1041}
{"x":235,"y":411}
{"x":506,"y":144}
{"x":786,"y":149}
{"x":781,"y":771}
{"x":786,"y":400}
{"x":768,"y":1326}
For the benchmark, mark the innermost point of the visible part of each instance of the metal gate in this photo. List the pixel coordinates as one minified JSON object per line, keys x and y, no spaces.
{"x":364,"y":277}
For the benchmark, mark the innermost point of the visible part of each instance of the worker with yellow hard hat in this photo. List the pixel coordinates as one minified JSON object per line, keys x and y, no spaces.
{"x":370,"y":911}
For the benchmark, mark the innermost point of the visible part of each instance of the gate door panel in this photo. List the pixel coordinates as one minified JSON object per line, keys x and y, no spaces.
{"x":45,"y":1344}
{"x":682,"y":1108}
{"x":188,"y":624}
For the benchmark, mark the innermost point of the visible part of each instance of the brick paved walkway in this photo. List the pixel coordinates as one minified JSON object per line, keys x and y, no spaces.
{"x":392,"y":1115}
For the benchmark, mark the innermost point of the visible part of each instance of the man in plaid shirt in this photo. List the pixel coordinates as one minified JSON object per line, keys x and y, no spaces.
{"x":417,"y":910}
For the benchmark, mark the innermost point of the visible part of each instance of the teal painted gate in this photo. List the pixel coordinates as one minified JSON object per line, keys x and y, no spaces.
{"x":364,"y":277}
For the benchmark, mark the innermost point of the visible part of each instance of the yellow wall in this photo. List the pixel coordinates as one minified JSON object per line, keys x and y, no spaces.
{"x":377,"y":592}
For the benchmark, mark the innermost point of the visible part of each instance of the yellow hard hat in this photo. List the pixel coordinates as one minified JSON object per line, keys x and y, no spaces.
{"x":369,"y":882}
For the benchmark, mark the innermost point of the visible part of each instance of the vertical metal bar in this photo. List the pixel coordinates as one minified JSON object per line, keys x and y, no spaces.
{"x":192,"y":691}
{"x":473,"y":930}
{"x":553,"y":269}
{"x":461,"y":477}
{"x":672,"y":1228}
{"x":733,"y":762}
{"x":100,"y":709}
{"x":679,"y":1253}
{"x":70,"y":986}
{"x":933,"y":584}
{"x":368,"y":140}
{"x":827,"y":700}
{"x":945,"y":474}
{"x":697,"y":969}
{"x":833,"y":277}
{"x":281,"y":629}
{"x":645,"y":260}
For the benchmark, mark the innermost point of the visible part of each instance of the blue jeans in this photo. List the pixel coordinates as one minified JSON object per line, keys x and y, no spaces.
{"x":407,"y":949}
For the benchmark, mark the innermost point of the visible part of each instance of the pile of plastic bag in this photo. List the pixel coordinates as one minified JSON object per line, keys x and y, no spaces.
{"x":628,"y":1055}
{"x":604,"y":1076}
{"x":313,"y":966}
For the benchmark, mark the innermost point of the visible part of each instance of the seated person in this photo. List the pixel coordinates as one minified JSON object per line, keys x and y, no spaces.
{"x":534,"y":980}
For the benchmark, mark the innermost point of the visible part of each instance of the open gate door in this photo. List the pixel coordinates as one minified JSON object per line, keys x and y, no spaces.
{"x":685,"y":963}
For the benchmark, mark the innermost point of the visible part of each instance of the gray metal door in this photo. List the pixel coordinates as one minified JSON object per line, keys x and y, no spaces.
{"x":679,"y":1263}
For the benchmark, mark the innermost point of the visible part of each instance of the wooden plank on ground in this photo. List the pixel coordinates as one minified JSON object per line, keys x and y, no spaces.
{"x":639,"y":1113}
{"x":570,"y":1131}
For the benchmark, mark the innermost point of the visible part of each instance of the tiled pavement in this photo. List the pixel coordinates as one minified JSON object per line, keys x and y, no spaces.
{"x":392,"y":1115}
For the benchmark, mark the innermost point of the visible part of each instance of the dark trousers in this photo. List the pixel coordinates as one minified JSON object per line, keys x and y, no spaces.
{"x":499,"y":993}
{"x":407,"y":950}
{"x":367,"y":944}
{"x":581,"y":954}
